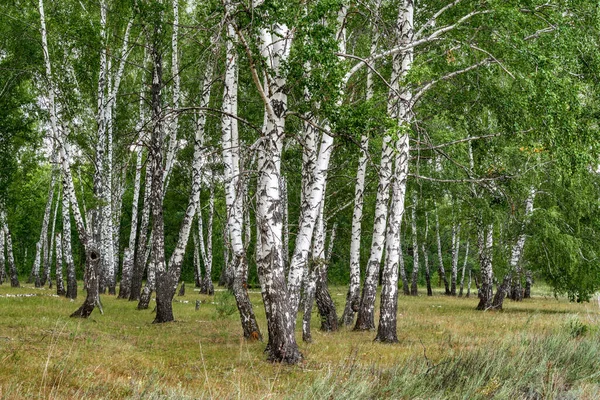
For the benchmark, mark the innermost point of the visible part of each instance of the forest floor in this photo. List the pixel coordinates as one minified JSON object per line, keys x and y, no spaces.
{"x":536,"y":349}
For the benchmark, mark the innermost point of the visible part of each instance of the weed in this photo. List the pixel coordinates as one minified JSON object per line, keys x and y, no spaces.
{"x":225,"y":304}
{"x":575,"y":327}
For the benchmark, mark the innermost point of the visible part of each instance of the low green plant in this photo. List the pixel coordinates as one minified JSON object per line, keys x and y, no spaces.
{"x":575,"y":327}
{"x":225,"y":304}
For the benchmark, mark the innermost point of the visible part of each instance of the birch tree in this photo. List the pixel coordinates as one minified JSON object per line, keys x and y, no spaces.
{"x":234,"y":192}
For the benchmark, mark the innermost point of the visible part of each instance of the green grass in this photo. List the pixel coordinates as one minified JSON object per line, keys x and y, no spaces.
{"x":537,"y":349}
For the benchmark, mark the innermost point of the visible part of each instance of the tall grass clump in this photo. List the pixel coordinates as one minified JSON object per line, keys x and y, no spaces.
{"x":551,"y":366}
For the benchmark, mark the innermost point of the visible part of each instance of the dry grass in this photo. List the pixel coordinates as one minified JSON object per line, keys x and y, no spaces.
{"x":121,"y":354}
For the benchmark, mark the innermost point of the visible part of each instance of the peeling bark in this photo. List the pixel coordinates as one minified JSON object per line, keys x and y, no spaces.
{"x":60,"y":284}
{"x":92,"y":260}
{"x":353,"y":296}
{"x":388,"y":316}
{"x":282,"y":347}
{"x":234,"y":191}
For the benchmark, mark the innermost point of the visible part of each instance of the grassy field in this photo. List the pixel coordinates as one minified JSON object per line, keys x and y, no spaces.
{"x":540,"y":348}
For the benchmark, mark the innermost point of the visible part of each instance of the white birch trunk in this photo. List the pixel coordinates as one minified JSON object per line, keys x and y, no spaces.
{"x":399,"y":108}
{"x":485,"y":242}
{"x":462,"y":279}
{"x":128,"y":256}
{"x":441,"y":270}
{"x":353,"y":296}
{"x":10,"y":257}
{"x":315,"y":166}
{"x":455,"y":250}
{"x":415,"y":242}
{"x":426,"y":256}
{"x":60,"y":284}
{"x":42,"y":245}
{"x":517,"y":252}
{"x":46,"y":248}
{"x":197,"y":269}
{"x":206,"y":249}
{"x":173,"y":122}
{"x":48,"y":268}
{"x":36,"y":264}
{"x":275,"y":47}
{"x":403,"y":275}
{"x":71,"y":292}
{"x":234,"y":190}
{"x":3,"y":273}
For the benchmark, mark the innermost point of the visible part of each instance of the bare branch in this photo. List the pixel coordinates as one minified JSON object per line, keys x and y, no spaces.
{"x":470,"y":138}
{"x":492,"y":57}
{"x":540,"y":32}
{"x":434,"y":18}
{"x":431,"y":38}
{"x":255,"y":77}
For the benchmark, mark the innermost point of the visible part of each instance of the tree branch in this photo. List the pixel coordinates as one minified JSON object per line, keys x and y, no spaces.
{"x":451,"y":75}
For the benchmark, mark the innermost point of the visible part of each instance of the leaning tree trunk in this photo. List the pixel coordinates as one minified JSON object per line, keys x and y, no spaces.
{"x":92,"y":259}
{"x":501,"y":292}
{"x":441,"y":270}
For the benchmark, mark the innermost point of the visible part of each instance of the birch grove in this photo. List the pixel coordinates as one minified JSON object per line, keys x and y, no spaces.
{"x":284,"y":138}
